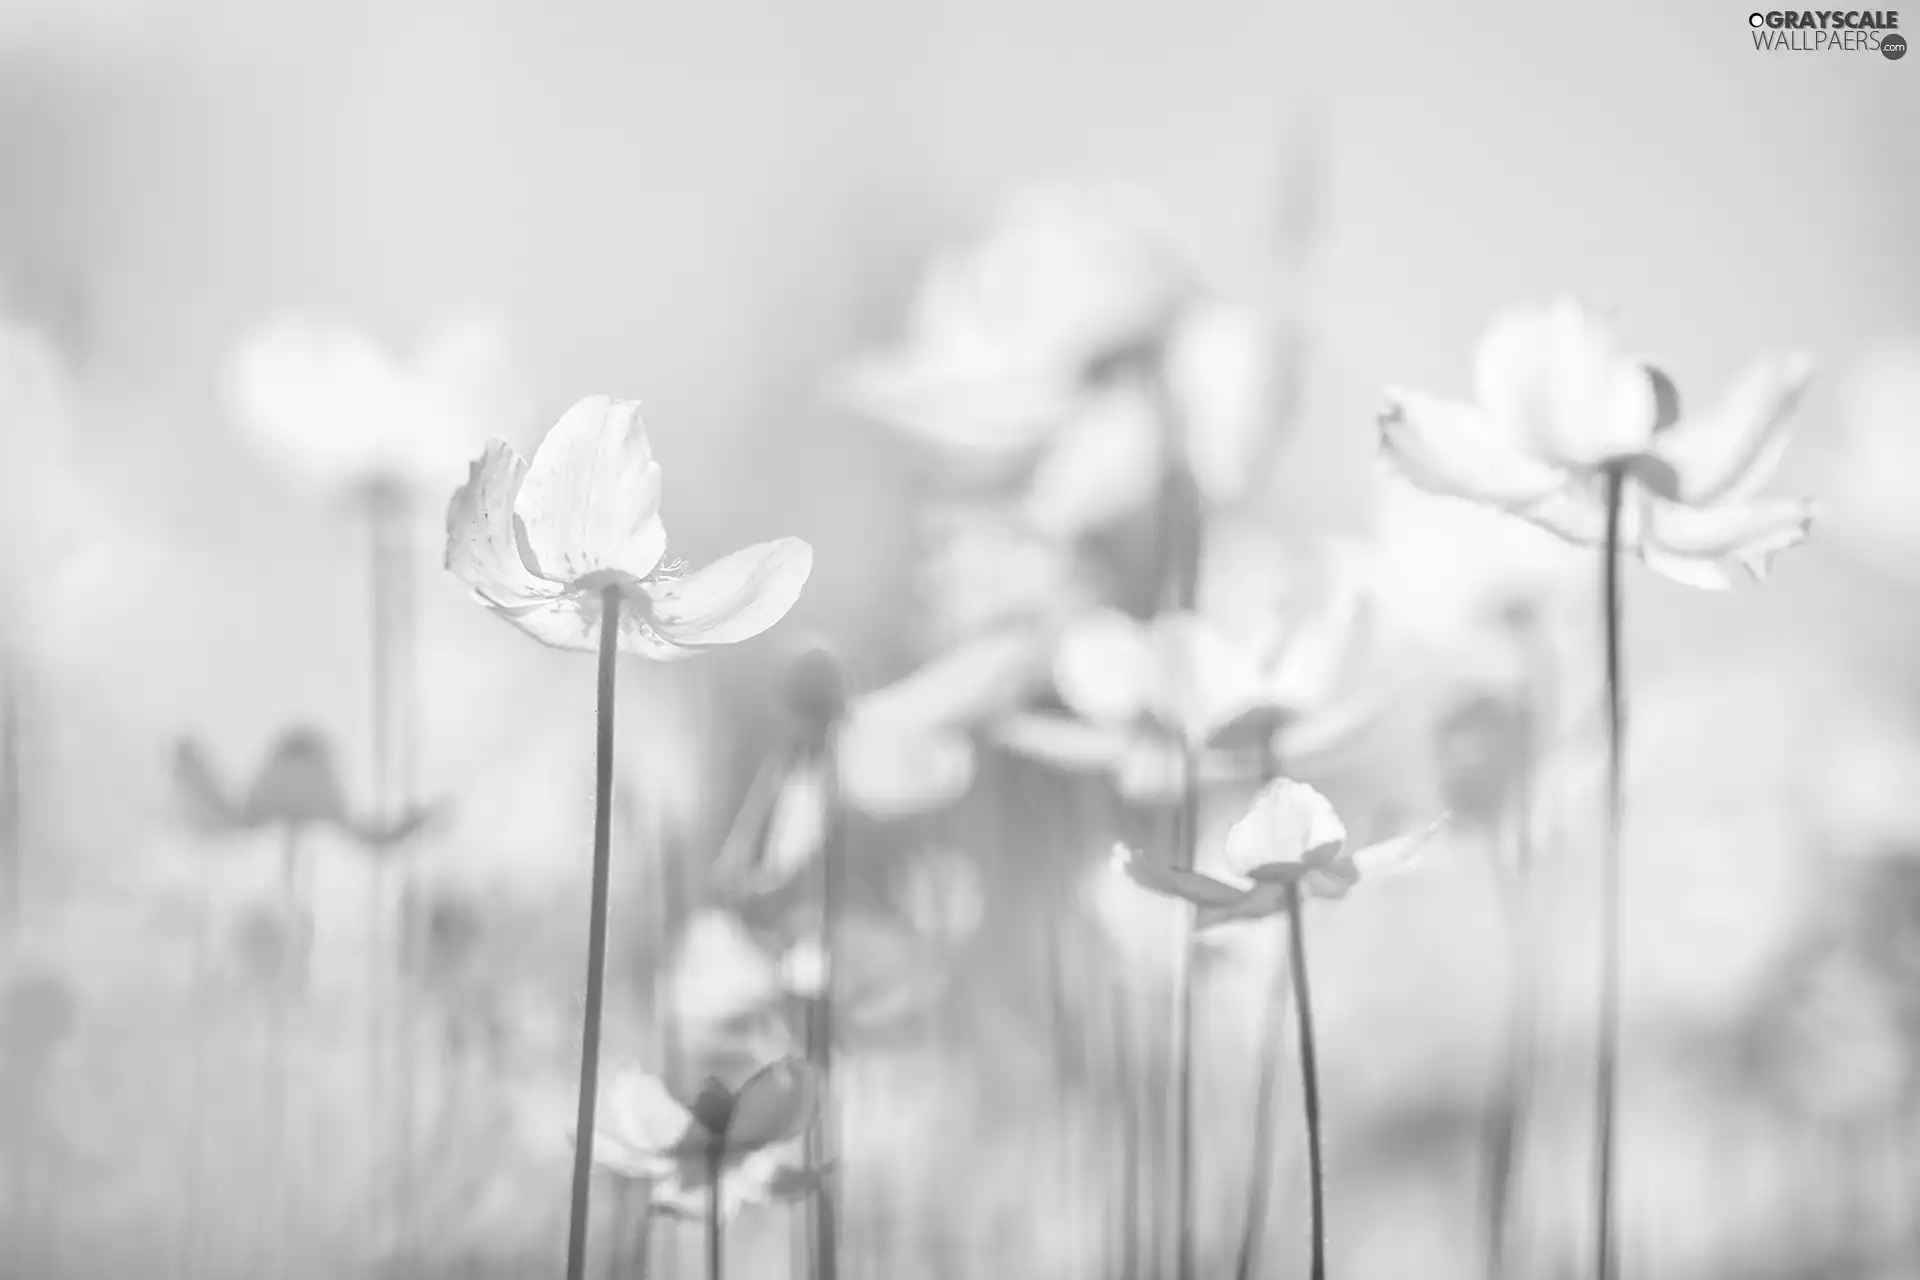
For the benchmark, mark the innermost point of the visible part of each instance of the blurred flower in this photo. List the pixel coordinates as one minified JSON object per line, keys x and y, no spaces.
{"x":328,"y":402}
{"x":1874,"y":452}
{"x":1007,"y":331}
{"x":1206,"y":407}
{"x":985,"y":567}
{"x":719,"y":973}
{"x":297,"y":787}
{"x":1268,"y":656}
{"x":540,"y":542}
{"x":721,"y":1140}
{"x":1451,"y":575}
{"x":898,"y":752}
{"x":1289,"y":837}
{"x":1561,"y":403}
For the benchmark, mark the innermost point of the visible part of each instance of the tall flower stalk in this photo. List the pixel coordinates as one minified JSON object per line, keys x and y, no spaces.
{"x":1572,"y":432}
{"x":570,"y":548}
{"x":1288,"y":845}
{"x":1309,"y":1084}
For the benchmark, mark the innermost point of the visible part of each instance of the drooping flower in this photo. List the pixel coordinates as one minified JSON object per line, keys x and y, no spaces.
{"x":540,"y":543}
{"x":328,"y":402}
{"x":297,"y":787}
{"x":724,"y":1138}
{"x":1561,"y":405}
{"x":1290,"y":836}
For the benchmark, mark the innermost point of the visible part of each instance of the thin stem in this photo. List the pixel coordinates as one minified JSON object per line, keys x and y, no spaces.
{"x":1608,"y":1053}
{"x":1508,"y":1127}
{"x":1188,"y":838}
{"x":596,"y":939}
{"x":825,"y":1219}
{"x":1260,"y":1166}
{"x":716,"y":1233}
{"x":1309,"y":1083}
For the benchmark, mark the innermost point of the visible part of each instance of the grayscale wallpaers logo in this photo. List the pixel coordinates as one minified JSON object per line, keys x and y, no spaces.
{"x":1824,"y":30}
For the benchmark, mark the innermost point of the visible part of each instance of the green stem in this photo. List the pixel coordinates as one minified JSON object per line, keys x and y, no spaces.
{"x":1309,"y":1084}
{"x":596,"y":940}
{"x":1605,"y":1244}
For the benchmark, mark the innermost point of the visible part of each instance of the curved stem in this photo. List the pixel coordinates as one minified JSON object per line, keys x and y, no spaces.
{"x":596,"y":940}
{"x":1309,"y":1083}
{"x":1608,"y":1052}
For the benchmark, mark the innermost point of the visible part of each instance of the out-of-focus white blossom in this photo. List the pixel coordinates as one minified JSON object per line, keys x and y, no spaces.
{"x":1006,"y":331}
{"x":1269,"y":653}
{"x":1561,"y":401}
{"x":722,"y":1143}
{"x":327,"y":401}
{"x":985,"y":567}
{"x":540,"y":543}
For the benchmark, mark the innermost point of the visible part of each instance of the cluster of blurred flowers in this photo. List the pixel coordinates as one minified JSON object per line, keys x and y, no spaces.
{"x":1110,"y":604}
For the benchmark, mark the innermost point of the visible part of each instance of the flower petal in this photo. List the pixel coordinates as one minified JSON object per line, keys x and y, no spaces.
{"x":1710,"y":547}
{"x":1398,"y":855}
{"x":1201,"y":679}
{"x":638,"y":1112}
{"x":995,"y":672}
{"x":1453,"y":450}
{"x":773,"y":1105}
{"x":1164,"y":878}
{"x":733,"y":599}
{"x":591,"y":500}
{"x":1104,"y":466}
{"x":483,"y":550}
{"x":1061,"y":742}
{"x":1732,"y":448}
{"x":1103,"y":667}
{"x":1265,"y":899}
{"x":890,"y":772}
{"x":1287,"y":821}
{"x":1559,"y":380}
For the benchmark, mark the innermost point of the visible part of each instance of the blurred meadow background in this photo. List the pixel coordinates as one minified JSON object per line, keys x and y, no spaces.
{"x":296,"y":837}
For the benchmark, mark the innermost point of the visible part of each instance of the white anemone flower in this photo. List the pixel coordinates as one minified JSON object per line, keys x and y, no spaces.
{"x":1561,"y":404}
{"x":1290,"y":840}
{"x":541,"y":542}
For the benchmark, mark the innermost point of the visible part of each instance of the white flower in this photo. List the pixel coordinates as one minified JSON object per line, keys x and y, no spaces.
{"x":331,"y":404}
{"x":1561,"y":403}
{"x":1289,"y":838}
{"x":1006,"y":330}
{"x":541,"y":543}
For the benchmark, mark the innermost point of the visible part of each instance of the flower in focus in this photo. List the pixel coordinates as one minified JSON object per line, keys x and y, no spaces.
{"x":1867,"y":491}
{"x":1561,"y":405}
{"x":1290,"y":837}
{"x":723,"y":1138}
{"x":541,"y":543}
{"x":298,"y":786}
{"x":331,"y":404}
{"x":1007,"y":331}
